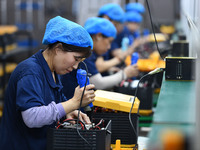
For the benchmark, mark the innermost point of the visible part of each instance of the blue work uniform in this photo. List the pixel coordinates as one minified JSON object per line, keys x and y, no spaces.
{"x":90,"y":62}
{"x":117,"y":42}
{"x":69,"y":80}
{"x":69,"y":83}
{"x":114,"y":45}
{"x":31,"y":84}
{"x":127,"y":33}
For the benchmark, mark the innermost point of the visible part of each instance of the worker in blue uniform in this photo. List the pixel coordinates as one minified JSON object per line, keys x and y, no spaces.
{"x":102,"y":32}
{"x":115,"y":56}
{"x":34,"y":100}
{"x":130,"y":33}
{"x":138,"y":8}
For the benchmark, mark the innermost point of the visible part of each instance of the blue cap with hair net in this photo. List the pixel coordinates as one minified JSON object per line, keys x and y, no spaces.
{"x":96,"y":25}
{"x":113,"y":11}
{"x":133,"y":17}
{"x":59,"y":29}
{"x":138,"y":7}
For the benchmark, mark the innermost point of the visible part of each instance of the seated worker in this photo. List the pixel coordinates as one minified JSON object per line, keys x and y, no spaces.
{"x":34,"y":100}
{"x":138,"y":8}
{"x":115,"y":14}
{"x":130,"y":31}
{"x":103,"y":33}
{"x":115,"y":55}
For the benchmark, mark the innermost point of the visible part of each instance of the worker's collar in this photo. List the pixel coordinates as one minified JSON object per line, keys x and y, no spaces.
{"x":48,"y":72}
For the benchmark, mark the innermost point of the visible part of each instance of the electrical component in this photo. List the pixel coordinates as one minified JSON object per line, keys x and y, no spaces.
{"x":157,"y":70}
{"x":66,"y":124}
{"x":64,"y":135}
{"x":180,"y":68}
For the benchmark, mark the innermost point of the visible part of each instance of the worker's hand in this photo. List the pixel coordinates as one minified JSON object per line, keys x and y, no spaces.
{"x":137,"y":42}
{"x":122,"y":56}
{"x":131,"y":71}
{"x":82,"y":117}
{"x":114,"y":69}
{"x":88,"y":96}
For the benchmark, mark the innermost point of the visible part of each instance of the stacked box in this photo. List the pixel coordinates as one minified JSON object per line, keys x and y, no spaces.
{"x":69,"y":139}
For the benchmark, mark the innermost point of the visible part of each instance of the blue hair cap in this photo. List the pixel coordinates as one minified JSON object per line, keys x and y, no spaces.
{"x":113,"y":11}
{"x":138,"y":7}
{"x":95,"y":25}
{"x":59,"y":29}
{"x":133,"y":17}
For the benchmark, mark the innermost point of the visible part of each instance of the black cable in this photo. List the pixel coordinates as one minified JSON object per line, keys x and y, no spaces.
{"x":80,"y":107}
{"x":153,"y":29}
{"x":133,"y":105}
{"x":155,"y":71}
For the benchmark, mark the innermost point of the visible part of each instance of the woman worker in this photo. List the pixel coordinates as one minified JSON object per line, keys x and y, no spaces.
{"x":103,"y":33}
{"x":115,"y":55}
{"x":34,"y":100}
{"x":131,"y":29}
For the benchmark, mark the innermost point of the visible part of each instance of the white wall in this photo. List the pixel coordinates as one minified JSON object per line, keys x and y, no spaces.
{"x":191,"y":14}
{"x":89,"y":8}
{"x":190,"y":10}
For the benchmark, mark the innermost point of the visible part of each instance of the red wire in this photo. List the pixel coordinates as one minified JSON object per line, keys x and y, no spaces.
{"x":98,"y":127}
{"x":58,"y":126}
{"x":99,"y":122}
{"x":122,"y":83}
{"x":69,"y":120}
{"x":81,"y":125}
{"x":96,"y":109}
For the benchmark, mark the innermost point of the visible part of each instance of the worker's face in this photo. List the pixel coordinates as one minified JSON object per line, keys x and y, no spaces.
{"x":118,"y":26}
{"x":132,"y":26}
{"x":102,"y":44}
{"x":65,"y":62}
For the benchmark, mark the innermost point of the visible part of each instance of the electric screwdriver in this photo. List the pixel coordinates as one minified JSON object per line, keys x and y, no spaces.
{"x":81,"y":79}
{"x":134,"y":59}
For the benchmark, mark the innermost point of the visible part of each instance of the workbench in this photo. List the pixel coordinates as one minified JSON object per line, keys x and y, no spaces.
{"x":175,"y":111}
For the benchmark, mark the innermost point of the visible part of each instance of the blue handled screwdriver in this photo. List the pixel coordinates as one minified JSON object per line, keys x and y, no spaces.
{"x":81,"y":79}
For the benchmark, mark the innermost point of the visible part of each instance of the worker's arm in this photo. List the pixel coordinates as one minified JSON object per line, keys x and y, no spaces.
{"x":39,"y":116}
{"x":104,"y":65}
{"x":107,"y":82}
{"x":122,"y":54}
{"x":110,"y":81}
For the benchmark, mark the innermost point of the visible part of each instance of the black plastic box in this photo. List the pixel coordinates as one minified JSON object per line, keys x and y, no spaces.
{"x":68,"y":139}
{"x":180,"y":48}
{"x":121,"y":127}
{"x":180,"y":68}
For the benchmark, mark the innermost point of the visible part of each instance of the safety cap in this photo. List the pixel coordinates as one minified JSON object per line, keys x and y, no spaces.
{"x":59,"y":29}
{"x":113,"y":11}
{"x":133,"y":17}
{"x":96,"y":25}
{"x":138,"y":7}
